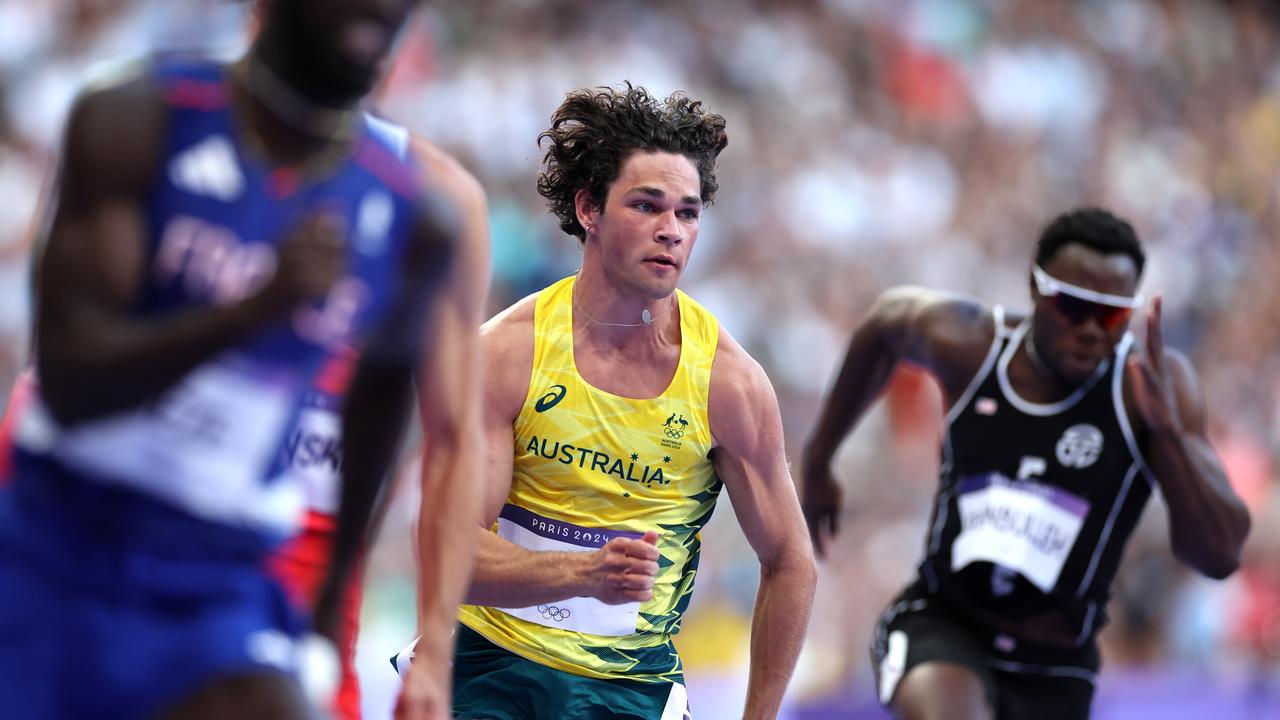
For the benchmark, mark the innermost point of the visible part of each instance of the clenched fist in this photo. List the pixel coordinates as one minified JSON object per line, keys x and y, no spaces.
{"x":623,"y":570}
{"x":311,"y":259}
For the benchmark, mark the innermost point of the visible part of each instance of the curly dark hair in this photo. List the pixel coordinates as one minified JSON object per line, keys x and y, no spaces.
{"x":1094,"y":228}
{"x":596,"y":129}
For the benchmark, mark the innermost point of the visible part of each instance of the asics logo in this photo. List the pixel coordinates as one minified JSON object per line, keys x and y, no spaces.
{"x":551,"y":612}
{"x":554,"y":395}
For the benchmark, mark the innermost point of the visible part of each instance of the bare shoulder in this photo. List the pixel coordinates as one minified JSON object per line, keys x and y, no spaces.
{"x":443,"y":173}
{"x":742,"y":404}
{"x":1186,"y":382}
{"x":945,"y":333}
{"x":1180,"y":366}
{"x":1188,"y":393}
{"x":734,"y":366}
{"x":128,"y":93}
{"x":443,"y":176}
{"x":507,"y":342}
{"x":113,"y":133}
{"x":110,"y":157}
{"x":1177,"y":366}
{"x":516,"y":320}
{"x":937,"y":316}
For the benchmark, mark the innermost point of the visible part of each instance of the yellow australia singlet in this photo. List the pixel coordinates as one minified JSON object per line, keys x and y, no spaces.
{"x":590,"y":466}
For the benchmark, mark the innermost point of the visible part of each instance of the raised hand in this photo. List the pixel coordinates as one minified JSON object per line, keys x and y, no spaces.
{"x":624,"y":569}
{"x":820,"y":500}
{"x":1153,"y":396}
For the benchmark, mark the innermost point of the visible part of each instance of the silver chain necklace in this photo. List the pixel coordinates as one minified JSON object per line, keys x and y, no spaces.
{"x":645,"y":316}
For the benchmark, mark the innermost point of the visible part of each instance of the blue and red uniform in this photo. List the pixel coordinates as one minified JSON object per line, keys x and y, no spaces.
{"x":133,"y":546}
{"x":314,"y":452}
{"x":23,"y":388}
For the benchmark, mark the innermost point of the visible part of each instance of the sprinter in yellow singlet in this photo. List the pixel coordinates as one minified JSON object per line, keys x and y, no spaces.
{"x":616,"y":408}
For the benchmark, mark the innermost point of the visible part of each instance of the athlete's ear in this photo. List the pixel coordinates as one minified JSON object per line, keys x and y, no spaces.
{"x":587,"y":210}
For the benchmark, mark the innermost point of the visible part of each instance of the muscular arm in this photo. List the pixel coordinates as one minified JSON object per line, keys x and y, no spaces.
{"x":510,"y":576}
{"x":942,"y":334}
{"x":1208,"y":522}
{"x":378,"y":402}
{"x":507,"y":575}
{"x":750,"y":459}
{"x":94,"y":356}
{"x":450,"y":405}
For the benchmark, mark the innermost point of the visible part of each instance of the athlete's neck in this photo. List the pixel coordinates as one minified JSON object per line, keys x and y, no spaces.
{"x":605,"y":311}
{"x":1047,"y":385}
{"x":1037,"y":362}
{"x":288,"y":129}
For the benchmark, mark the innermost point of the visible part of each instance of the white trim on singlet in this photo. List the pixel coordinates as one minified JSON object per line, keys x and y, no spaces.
{"x":997,"y":315}
{"x":1033,"y":408}
{"x":1086,"y":628}
{"x":1105,"y":536}
{"x":930,"y":578}
{"x":939,"y":520}
{"x":395,"y":136}
{"x":1050,"y":670}
{"x":943,"y":501}
{"x":1122,"y":415}
{"x":944,"y":494}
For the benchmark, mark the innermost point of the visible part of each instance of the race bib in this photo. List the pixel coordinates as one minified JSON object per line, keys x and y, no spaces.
{"x":585,"y":615}
{"x":1021,"y":525}
{"x":314,"y":454}
{"x":204,"y":446}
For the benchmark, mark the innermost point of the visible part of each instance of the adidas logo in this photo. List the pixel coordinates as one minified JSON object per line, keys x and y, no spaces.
{"x":210,"y":169}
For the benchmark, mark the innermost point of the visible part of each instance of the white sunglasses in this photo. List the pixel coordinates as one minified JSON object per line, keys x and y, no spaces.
{"x":1078,"y":304}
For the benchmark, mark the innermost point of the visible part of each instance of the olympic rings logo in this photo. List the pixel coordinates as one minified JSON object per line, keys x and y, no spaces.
{"x":551,"y":612}
{"x":675,"y":426}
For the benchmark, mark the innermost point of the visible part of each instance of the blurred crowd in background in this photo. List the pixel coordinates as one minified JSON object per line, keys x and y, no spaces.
{"x":872,"y":143}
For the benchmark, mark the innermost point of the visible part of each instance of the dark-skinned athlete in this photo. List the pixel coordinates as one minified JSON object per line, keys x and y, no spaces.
{"x":1059,"y":428}
{"x":219,"y":232}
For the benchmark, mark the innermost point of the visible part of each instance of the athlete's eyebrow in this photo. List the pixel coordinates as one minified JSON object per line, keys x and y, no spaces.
{"x":659,"y":193}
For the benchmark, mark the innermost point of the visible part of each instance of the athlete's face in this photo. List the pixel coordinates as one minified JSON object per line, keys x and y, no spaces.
{"x":1074,"y":345}
{"x":649,"y":223}
{"x":341,"y":44}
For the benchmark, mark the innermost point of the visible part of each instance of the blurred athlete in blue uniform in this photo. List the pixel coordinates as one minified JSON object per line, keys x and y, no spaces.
{"x":219,"y":232}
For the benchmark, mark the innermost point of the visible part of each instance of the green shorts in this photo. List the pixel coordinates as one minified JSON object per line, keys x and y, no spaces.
{"x":490,"y":683}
